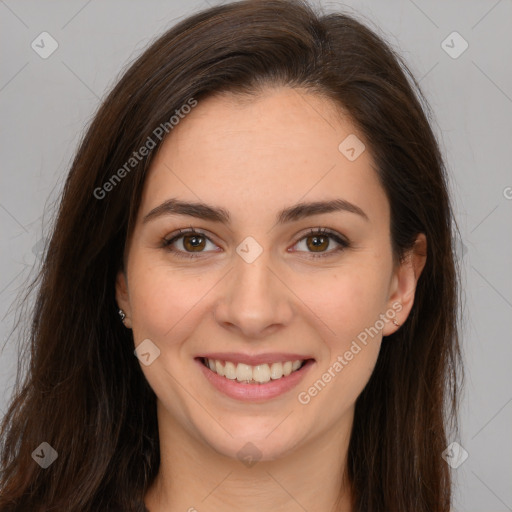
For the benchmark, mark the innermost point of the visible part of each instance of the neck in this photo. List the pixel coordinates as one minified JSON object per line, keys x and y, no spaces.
{"x":194,"y":477}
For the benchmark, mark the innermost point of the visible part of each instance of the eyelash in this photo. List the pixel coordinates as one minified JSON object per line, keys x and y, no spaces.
{"x":344,"y":244}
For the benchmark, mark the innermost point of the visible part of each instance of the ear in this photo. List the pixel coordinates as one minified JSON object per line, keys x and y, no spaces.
{"x":123,"y":297}
{"x":403,"y":283}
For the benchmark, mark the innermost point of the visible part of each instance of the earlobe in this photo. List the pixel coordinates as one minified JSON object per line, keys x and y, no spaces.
{"x":403,"y":284}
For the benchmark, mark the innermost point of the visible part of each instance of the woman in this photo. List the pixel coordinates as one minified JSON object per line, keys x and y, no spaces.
{"x":249,"y":298}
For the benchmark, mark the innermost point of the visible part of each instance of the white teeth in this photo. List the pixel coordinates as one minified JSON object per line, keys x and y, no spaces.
{"x":219,"y":368}
{"x":230,"y":370}
{"x":276,"y":370}
{"x":261,"y":373}
{"x":243,"y":372}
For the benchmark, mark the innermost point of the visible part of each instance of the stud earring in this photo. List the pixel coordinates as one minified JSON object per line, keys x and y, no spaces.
{"x":396,"y":323}
{"x":122,"y":315}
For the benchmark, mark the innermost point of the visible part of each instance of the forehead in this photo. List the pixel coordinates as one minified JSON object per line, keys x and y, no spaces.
{"x":254,"y":154}
{"x":282,"y":122}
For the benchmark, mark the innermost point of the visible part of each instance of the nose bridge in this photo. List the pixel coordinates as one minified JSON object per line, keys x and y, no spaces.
{"x":253,"y":298}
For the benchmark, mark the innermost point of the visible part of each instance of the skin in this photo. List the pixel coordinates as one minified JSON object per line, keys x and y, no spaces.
{"x":254,"y":158}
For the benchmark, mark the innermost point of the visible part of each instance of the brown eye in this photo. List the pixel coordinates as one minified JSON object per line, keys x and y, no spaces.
{"x":317,"y":243}
{"x":193,"y":243}
{"x":318,"y":240}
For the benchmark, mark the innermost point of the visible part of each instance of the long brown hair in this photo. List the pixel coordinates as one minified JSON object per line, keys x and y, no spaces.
{"x":84,"y":392}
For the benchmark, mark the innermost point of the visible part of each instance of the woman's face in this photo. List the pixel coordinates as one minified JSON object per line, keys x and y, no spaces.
{"x":258,"y":292}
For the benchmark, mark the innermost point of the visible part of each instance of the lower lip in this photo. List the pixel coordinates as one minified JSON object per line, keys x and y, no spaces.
{"x":255,"y":392}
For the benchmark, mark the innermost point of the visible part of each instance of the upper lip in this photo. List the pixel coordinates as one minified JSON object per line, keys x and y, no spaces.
{"x":254,"y":360}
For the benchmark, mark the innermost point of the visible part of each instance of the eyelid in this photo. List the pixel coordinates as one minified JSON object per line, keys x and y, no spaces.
{"x":341,"y":240}
{"x":168,"y":240}
{"x":324,"y":231}
{"x":187,"y":231}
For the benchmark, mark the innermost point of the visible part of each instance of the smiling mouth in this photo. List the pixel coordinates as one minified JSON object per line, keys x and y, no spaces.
{"x":258,"y":374}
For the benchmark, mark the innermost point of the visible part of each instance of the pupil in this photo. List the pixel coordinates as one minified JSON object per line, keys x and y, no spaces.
{"x":193,"y":241}
{"x":318,"y":241}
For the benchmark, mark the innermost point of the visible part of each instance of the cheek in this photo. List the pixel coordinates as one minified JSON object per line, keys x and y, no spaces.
{"x":347,"y":304}
{"x":346,"y":300}
{"x":163,"y":301}
{"x":338,"y":302}
{"x":349,"y":307}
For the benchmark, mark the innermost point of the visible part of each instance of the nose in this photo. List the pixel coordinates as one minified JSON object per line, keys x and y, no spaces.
{"x":254,"y":300}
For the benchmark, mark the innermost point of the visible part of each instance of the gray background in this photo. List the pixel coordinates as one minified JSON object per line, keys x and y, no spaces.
{"x":45,"y":105}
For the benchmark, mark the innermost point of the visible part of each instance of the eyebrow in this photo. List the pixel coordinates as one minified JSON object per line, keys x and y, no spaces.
{"x":216,"y":214}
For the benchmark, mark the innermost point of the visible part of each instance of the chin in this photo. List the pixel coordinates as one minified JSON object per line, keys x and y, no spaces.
{"x":254,"y":440}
